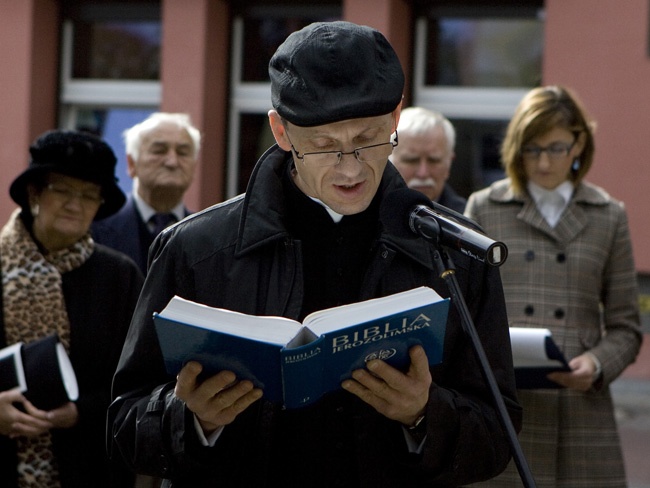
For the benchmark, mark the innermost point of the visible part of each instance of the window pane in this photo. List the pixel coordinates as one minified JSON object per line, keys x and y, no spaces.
{"x":484,"y":52}
{"x":262,"y":36}
{"x":109,"y":123}
{"x":478,"y":160}
{"x":116,"y":50}
{"x":256,"y":138}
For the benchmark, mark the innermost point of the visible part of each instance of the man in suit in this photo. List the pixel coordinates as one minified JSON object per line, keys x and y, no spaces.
{"x":425,"y":153}
{"x":161,"y":155}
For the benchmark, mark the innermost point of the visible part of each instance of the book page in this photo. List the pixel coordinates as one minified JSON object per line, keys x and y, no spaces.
{"x":67,"y":373}
{"x":357,"y":313}
{"x":275,"y":330}
{"x":529,"y":347}
{"x":11,"y":356}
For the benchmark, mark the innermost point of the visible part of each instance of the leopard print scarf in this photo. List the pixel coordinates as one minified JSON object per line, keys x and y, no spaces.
{"x":34,"y":307}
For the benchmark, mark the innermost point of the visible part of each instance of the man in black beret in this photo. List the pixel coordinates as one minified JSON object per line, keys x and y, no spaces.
{"x":305,"y":236}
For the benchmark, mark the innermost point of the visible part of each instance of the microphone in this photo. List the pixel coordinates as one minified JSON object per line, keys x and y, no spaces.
{"x":406,"y":212}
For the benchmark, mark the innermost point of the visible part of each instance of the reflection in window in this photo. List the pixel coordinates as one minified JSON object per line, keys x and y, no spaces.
{"x":259,"y":27}
{"x":262,"y":36}
{"x":484,"y":52}
{"x":109,"y":124}
{"x":478,"y":161}
{"x":116,"y":50}
{"x":256,"y":138}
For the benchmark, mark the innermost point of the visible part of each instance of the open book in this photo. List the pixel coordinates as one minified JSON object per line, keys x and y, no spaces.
{"x":297,"y":364}
{"x":41,"y":370}
{"x":535,"y":354}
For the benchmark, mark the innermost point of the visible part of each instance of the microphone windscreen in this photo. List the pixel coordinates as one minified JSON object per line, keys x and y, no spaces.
{"x":396,"y":208}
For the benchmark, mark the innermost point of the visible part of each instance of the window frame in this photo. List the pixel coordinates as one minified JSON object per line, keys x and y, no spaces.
{"x":79,"y":94}
{"x":250,"y":97}
{"x":459,"y":102}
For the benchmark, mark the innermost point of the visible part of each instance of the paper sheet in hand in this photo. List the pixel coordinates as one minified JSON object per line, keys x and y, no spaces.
{"x":535,"y":355}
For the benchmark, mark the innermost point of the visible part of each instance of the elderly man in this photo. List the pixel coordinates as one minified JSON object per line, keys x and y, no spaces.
{"x":161,"y":154}
{"x":307,"y":235}
{"x":425,"y":153}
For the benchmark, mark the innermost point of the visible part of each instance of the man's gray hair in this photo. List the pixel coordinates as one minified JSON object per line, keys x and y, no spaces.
{"x":416,"y":121}
{"x":133,"y":136}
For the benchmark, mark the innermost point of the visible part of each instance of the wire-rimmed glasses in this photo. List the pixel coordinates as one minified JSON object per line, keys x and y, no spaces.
{"x":365,"y":154}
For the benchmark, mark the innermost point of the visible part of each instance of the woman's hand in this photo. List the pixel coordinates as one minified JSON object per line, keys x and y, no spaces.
{"x":14,"y":422}
{"x":581,"y":376}
{"x":64,"y":417}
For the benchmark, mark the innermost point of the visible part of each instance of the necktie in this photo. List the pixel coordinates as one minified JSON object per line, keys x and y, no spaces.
{"x":161,"y":221}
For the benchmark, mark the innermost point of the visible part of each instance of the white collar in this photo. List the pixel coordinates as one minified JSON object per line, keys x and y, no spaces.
{"x":551,"y":203}
{"x":336,"y":217}
{"x":564,"y":189}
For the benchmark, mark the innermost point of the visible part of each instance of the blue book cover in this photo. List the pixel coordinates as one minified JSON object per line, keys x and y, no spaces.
{"x":296,"y":364}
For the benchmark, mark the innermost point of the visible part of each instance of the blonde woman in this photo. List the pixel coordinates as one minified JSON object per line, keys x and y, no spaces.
{"x":570,"y":269}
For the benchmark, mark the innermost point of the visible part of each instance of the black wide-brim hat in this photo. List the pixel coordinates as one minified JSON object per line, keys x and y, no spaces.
{"x":76,"y":154}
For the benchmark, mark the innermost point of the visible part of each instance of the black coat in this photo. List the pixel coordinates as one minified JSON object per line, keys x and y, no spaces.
{"x":450,"y":199}
{"x":125,"y":231}
{"x":100,"y":297}
{"x":239,"y":255}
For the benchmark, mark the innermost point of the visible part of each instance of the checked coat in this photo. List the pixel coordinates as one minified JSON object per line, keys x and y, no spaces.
{"x":578,"y":280}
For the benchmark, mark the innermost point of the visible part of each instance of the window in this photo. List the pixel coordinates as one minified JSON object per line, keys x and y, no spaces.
{"x":256,"y":34}
{"x":110,"y":71}
{"x":474,"y":64}
{"x":127,"y":50}
{"x":108,"y":123}
{"x":483,"y":52}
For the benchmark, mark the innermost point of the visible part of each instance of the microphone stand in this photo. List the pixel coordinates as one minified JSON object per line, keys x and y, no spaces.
{"x":447,"y":271}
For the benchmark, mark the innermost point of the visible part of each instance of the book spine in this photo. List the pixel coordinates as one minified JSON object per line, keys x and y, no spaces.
{"x":302,"y":374}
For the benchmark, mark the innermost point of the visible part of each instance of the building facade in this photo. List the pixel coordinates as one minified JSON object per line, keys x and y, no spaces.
{"x":103,"y":65}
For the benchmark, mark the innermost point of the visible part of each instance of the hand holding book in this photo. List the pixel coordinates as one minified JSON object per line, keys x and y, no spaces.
{"x":400,"y":396}
{"x":296,"y":364}
{"x":41,"y":370}
{"x":535,"y":356}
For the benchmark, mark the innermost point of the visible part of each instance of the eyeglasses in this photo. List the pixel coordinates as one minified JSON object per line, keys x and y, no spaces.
{"x":67,"y":194}
{"x":555,"y":151}
{"x":365,"y":154}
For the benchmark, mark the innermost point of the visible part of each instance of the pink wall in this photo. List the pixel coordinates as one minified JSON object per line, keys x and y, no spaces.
{"x":195,"y":63}
{"x":597,"y":48}
{"x":28,"y":81}
{"x":600,"y":49}
{"x":393,"y":19}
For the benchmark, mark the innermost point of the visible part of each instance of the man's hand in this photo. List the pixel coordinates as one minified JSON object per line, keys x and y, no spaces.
{"x":398,"y":396}
{"x":216,"y":401}
{"x":15,"y":423}
{"x":581,"y":376}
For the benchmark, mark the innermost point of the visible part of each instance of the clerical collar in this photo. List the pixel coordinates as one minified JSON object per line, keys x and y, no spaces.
{"x":551,"y":203}
{"x":296,"y":196}
{"x":147,"y":211}
{"x":336,"y":217}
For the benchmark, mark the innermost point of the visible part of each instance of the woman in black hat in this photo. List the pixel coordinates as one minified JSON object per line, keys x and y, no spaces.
{"x":55,"y":279}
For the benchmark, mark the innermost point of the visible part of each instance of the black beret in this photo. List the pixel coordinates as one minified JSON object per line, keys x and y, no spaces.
{"x":333,"y":71}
